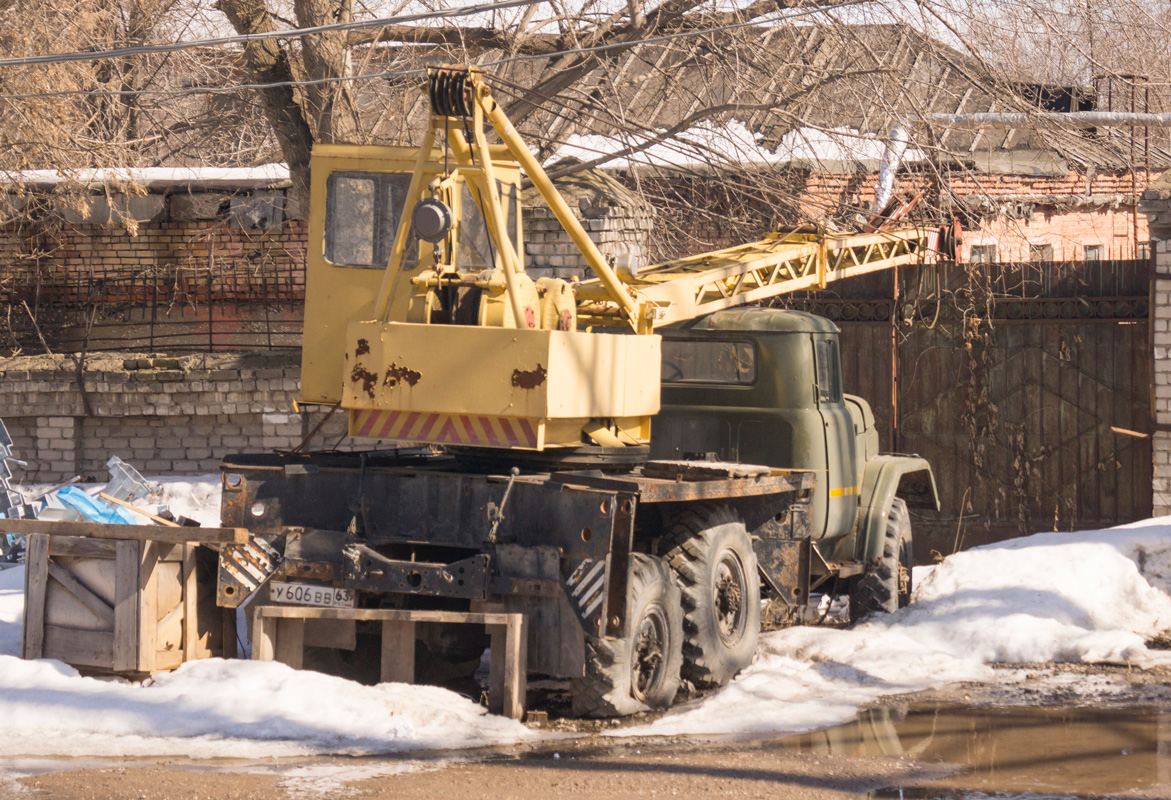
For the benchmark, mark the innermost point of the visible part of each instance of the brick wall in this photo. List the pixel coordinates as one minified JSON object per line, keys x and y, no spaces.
{"x":243,"y":263}
{"x":618,"y":221}
{"x":1156,"y":204}
{"x":1011,"y":211}
{"x":163,"y":415}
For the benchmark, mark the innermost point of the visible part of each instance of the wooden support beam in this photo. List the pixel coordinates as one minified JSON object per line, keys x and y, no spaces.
{"x":263,"y":636}
{"x":228,"y":632}
{"x":142,"y":533}
{"x":126,"y":606}
{"x":148,"y":606}
{"x":398,"y":651}
{"x":191,"y":623}
{"x":289,"y":647}
{"x":36,"y":580}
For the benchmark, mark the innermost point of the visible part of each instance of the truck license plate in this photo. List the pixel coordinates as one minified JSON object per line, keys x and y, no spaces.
{"x":305,"y":595}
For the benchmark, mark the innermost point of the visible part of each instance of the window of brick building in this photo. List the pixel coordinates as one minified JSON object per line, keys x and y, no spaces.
{"x":1040,"y":252}
{"x":1092,"y":252}
{"x":1144,"y":251}
{"x":982,"y":254}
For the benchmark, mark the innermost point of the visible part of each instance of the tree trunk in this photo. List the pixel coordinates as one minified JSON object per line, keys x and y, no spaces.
{"x":269,"y":63}
{"x":329,"y":106}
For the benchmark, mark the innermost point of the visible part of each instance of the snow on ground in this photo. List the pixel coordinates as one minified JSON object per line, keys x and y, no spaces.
{"x":197,"y":498}
{"x":1091,"y":597}
{"x":218,"y":708}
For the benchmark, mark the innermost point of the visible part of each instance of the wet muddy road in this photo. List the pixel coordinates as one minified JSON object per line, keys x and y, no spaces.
{"x":1043,"y":734}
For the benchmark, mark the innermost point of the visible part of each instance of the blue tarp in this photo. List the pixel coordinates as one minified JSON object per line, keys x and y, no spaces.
{"x":94,"y":510}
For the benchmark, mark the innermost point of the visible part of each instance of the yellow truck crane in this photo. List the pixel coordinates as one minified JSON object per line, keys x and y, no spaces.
{"x":525,"y":477}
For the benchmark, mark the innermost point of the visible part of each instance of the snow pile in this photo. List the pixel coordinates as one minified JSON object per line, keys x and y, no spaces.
{"x":1092,"y":597}
{"x":197,"y":498}
{"x":732,"y":142}
{"x":246,"y":709}
{"x":11,"y":610}
{"x":216,"y":708}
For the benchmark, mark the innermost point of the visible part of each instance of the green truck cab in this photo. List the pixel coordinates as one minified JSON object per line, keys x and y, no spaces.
{"x":764,"y":386}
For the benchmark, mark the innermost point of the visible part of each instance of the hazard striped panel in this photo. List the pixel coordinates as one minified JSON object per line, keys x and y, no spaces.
{"x":473,"y":429}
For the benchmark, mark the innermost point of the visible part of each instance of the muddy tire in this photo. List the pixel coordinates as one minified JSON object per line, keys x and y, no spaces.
{"x":887,"y":587}
{"x":711,"y":553}
{"x":640,"y":672}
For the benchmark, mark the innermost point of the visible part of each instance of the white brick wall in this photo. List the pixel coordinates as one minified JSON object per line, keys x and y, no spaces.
{"x":1157,"y":205}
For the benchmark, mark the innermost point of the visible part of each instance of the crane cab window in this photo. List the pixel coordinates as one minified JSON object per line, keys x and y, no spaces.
{"x":362,"y":213}
{"x":829,"y":371}
{"x":709,"y":361}
{"x":475,"y":250}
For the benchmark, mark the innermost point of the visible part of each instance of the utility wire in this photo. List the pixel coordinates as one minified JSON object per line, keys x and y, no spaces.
{"x":295,"y":33}
{"x":601,"y":48}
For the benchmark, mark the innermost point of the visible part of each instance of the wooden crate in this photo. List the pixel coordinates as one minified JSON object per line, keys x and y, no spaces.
{"x":126,"y":606}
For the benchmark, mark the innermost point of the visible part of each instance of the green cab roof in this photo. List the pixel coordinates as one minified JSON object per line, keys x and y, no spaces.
{"x":776,"y":320}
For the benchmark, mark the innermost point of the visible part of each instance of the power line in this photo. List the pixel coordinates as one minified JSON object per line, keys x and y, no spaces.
{"x":212,"y":90}
{"x":171,"y":47}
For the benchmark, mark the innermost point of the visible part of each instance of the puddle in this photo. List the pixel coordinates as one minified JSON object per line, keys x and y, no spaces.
{"x":1013,"y":752}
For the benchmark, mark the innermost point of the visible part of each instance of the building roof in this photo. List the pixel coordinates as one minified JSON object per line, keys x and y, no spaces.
{"x":778,"y":84}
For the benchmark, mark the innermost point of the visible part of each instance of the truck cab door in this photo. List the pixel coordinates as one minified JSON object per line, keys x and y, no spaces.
{"x":841,"y":478}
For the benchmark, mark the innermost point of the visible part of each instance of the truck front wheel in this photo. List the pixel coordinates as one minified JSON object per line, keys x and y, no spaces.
{"x":641,"y":671}
{"x":711,"y":553}
{"x":887,"y":587}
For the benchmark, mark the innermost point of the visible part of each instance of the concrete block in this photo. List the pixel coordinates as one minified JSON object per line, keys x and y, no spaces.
{"x":198,"y":206}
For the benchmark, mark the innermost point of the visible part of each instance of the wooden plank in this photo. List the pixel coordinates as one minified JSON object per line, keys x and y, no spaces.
{"x":398,"y":651}
{"x":36,"y":580}
{"x":264,"y":631}
{"x":377,"y":614}
{"x":228,"y":633}
{"x":90,"y":600}
{"x":126,"y":606}
{"x":290,"y":642}
{"x":168,"y":523}
{"x":190,"y":604}
{"x":168,"y":660}
{"x":171,"y":551}
{"x":79,"y":648}
{"x":497,"y":651}
{"x":148,"y":611}
{"x":72,"y":547}
{"x":515,"y":667}
{"x":145,"y":533}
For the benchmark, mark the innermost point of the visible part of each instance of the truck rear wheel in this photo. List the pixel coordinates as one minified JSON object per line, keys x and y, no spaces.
{"x":887,"y":587}
{"x":711,"y":553}
{"x":640,"y":671}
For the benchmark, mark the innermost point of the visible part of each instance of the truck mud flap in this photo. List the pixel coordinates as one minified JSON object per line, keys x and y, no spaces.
{"x":585,"y":586}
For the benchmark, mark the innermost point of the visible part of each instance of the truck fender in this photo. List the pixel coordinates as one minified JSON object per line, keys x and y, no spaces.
{"x":880,"y":484}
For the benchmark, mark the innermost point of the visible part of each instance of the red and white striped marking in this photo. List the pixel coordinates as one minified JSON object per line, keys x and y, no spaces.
{"x":415,"y":426}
